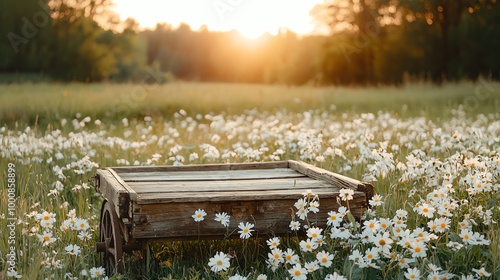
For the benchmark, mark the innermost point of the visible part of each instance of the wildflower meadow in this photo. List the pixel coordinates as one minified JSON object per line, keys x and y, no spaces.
{"x":435,"y":170}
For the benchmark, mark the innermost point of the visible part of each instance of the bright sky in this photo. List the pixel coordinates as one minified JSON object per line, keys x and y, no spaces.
{"x":250,"y":17}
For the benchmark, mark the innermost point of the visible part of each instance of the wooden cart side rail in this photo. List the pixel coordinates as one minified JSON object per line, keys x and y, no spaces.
{"x":332,"y":178}
{"x":203,"y":167}
{"x":114,"y":190}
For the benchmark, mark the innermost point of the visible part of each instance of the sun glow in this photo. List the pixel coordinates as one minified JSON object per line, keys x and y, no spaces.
{"x":250,"y":18}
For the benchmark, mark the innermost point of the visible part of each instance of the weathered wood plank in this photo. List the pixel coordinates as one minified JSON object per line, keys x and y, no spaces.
{"x":322,"y":174}
{"x":232,"y":185}
{"x":203,"y":167}
{"x":119,"y":179}
{"x":115,"y":192}
{"x":211,"y":175}
{"x":151,"y":198}
{"x":271,"y":217}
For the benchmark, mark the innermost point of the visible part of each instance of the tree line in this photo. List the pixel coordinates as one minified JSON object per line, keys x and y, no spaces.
{"x":370,"y":42}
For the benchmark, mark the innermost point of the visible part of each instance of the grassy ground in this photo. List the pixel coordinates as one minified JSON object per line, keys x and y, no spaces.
{"x":47,"y":103}
{"x":409,"y":142}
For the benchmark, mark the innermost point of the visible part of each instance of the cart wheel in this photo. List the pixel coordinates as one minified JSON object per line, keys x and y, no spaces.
{"x":111,"y":236}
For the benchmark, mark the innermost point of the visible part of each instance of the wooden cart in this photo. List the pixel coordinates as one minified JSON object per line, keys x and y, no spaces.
{"x":155,"y":203}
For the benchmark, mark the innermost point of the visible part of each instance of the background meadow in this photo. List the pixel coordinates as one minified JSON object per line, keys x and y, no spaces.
{"x":421,"y":146}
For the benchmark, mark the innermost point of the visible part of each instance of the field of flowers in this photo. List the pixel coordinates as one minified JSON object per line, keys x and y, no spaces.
{"x":435,"y":215}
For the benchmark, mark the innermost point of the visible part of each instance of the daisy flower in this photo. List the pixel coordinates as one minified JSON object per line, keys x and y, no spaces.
{"x":324,"y":258}
{"x":334,"y":219}
{"x":71,"y":213}
{"x":276,"y":255}
{"x":290,"y":257}
{"x":308,"y":245}
{"x":311,"y":266}
{"x":467,"y":236}
{"x":300,"y":204}
{"x":356,"y":256}
{"x":343,"y":211}
{"x":426,"y":210}
{"x":315,"y":233}
{"x":46,"y":216}
{"x":382,"y":241}
{"x":412,"y":273}
{"x":245,"y":230}
{"x":46,"y":238}
{"x":372,"y":254}
{"x":262,"y":277}
{"x":294,"y":225}
{"x":297,"y":272}
{"x":223,"y":218}
{"x":481,"y":272}
{"x":302,"y":213}
{"x":443,"y":224}
{"x":346,"y":194}
{"x":314,"y":207}
{"x":401,"y":214}
{"x":376,"y":200}
{"x":199,"y":215}
{"x":273,"y":242}
{"x":372,"y":224}
{"x":84,"y":236}
{"x":385,"y":223}
{"x":81,"y":224}
{"x":219,"y":262}
{"x":96,"y":272}
{"x":433,"y":275}
{"x":73,"y":249}
{"x":418,"y":249}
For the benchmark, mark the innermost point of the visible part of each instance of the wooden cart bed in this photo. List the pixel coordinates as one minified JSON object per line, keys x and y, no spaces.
{"x":157,"y":202}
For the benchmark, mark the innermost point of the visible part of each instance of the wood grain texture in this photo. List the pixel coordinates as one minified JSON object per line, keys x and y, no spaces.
{"x":158,"y":201}
{"x":210,"y":175}
{"x":115,"y":192}
{"x":222,"y":186}
{"x":325,"y":175}
{"x":173,"y":221}
{"x":203,"y":167}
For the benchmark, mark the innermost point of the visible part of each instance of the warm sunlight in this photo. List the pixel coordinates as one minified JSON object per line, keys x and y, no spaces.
{"x":251,"y":18}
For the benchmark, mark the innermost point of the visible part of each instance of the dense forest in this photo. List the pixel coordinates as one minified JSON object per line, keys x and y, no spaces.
{"x":370,"y":42}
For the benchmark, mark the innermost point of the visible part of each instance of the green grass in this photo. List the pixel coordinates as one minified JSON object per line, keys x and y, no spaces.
{"x":451,"y":124}
{"x":47,"y":103}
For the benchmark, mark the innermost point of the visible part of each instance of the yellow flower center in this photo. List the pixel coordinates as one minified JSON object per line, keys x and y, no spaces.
{"x":219,"y":262}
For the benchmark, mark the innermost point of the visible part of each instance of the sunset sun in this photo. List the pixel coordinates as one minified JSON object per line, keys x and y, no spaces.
{"x":250,"y":18}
